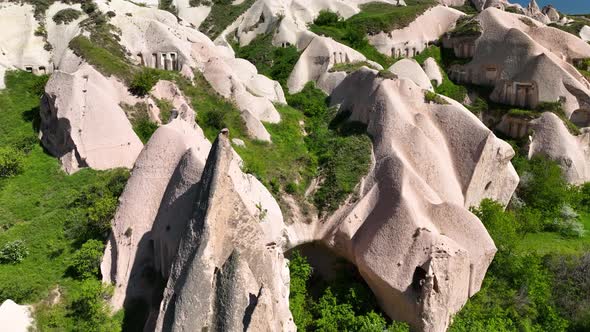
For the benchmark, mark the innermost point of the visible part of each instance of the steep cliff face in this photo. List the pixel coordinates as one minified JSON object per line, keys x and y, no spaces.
{"x":225,"y":276}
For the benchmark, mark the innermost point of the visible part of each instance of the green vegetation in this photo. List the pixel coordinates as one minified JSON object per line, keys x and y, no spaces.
{"x":430,"y":96}
{"x":223,"y":13}
{"x":445,"y":58}
{"x":168,"y":6}
{"x":165,"y":109}
{"x":66,"y":16}
{"x":524,"y":291}
{"x":37,"y":217}
{"x":85,"y":263}
{"x":353,"y":31}
{"x":13,"y":252}
{"x":139,"y":117}
{"x":575,"y":27}
{"x":11,"y":162}
{"x":350,"y":67}
{"x":274,"y":62}
{"x":344,"y":304}
{"x":99,"y":57}
{"x":376,"y":17}
{"x":466,"y":26}
{"x":143,"y":82}
{"x":554,"y":107}
{"x":468,"y":8}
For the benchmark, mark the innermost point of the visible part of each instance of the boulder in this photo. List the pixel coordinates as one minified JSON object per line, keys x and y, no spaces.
{"x":410,"y":69}
{"x":227,"y":275}
{"x":533,"y":11}
{"x":82,"y":123}
{"x":551,"y":13}
{"x":433,"y":71}
{"x":552,"y":139}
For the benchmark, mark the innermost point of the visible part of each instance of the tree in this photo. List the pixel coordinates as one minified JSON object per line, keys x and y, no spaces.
{"x":300,"y":271}
{"x":13,"y":252}
{"x":143,"y":82}
{"x":86,"y":262}
{"x":89,"y":307}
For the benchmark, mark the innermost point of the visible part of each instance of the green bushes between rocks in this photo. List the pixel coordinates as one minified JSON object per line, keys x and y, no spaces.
{"x":85,"y":263}
{"x":66,"y":16}
{"x":344,"y":304}
{"x":143,"y":82}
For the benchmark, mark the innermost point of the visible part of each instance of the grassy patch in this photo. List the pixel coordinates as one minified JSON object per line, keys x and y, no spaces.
{"x":466,"y":26}
{"x":445,"y":59}
{"x":66,"y":16}
{"x":543,"y":243}
{"x":350,"y":67}
{"x":376,"y":17}
{"x":34,"y":206}
{"x":433,"y":97}
{"x":222,"y":14}
{"x":276,"y":63}
{"x":101,"y":58}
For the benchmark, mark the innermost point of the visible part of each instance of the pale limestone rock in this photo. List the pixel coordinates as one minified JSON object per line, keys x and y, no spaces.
{"x":226,"y":276}
{"x":516,"y":55}
{"x":410,"y":69}
{"x":413,"y":39}
{"x":551,"y":138}
{"x":414,"y":210}
{"x":83,"y":124}
{"x":433,"y":71}
{"x":585,"y":33}
{"x":15,"y":318}
{"x":130,"y":249}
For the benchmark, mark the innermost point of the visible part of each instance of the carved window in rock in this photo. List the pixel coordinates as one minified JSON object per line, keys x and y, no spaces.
{"x":29,"y":69}
{"x":42,"y":70}
{"x":491,"y":74}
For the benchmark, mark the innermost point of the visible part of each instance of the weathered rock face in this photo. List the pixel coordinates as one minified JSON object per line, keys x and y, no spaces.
{"x":551,"y":13}
{"x":153,"y":211}
{"x":82,"y":123}
{"x":315,"y":62}
{"x":19,"y":47}
{"x":585,"y":33}
{"x":226,"y":276}
{"x":410,"y":69}
{"x":515,"y":55}
{"x":433,"y":71}
{"x":14,"y":317}
{"x":413,"y":39}
{"x":533,"y":11}
{"x":411,"y":234}
{"x":551,"y":138}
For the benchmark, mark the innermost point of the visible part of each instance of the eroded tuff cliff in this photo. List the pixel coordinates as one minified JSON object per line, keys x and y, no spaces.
{"x":225,"y":276}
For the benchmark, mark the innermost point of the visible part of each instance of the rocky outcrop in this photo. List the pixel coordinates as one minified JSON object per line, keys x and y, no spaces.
{"x":82,"y":123}
{"x":413,"y":39}
{"x":533,"y":11}
{"x":551,"y":13}
{"x":315,"y":62}
{"x":585,"y":33}
{"x":515,"y":55}
{"x":153,"y":210}
{"x":433,"y":71}
{"x":411,"y":234}
{"x":226,"y":275}
{"x":410,"y":69}
{"x":20,"y":48}
{"x":552,"y":139}
{"x":15,"y":318}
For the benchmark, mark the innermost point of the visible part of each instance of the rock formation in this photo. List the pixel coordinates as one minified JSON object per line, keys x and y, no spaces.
{"x":82,"y":123}
{"x":20,"y":48}
{"x":14,"y":317}
{"x":413,"y":39}
{"x":515,"y":55}
{"x":408,"y":211}
{"x":552,"y":139}
{"x":433,"y":71}
{"x":410,"y":69}
{"x":585,"y":33}
{"x":158,"y":195}
{"x":314,"y":64}
{"x":226,"y":275}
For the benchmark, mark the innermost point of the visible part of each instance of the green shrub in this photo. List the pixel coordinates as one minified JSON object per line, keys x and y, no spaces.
{"x":66,"y":16}
{"x":433,"y":97}
{"x":223,"y":13}
{"x":326,"y":17}
{"x":88,"y":305}
{"x":13,"y":252}
{"x":300,"y":272}
{"x":85,"y":263}
{"x":11,"y":162}
{"x":143,"y":82}
{"x":144,"y":128}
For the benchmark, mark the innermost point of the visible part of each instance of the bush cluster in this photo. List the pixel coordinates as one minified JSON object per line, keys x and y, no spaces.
{"x":66,"y":16}
{"x":13,"y":252}
{"x":11,"y":162}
